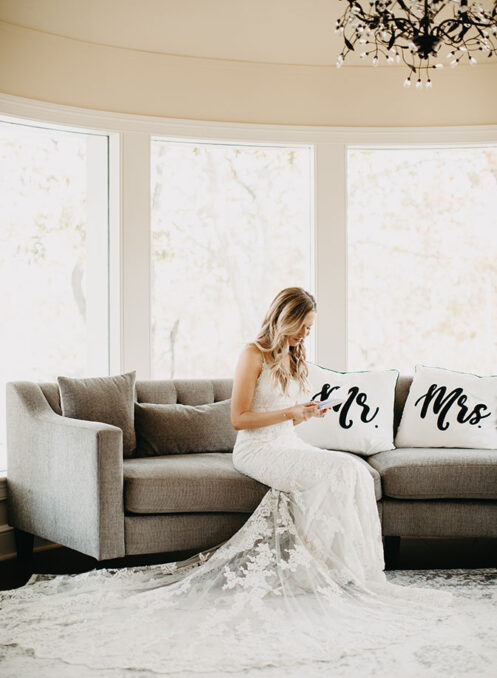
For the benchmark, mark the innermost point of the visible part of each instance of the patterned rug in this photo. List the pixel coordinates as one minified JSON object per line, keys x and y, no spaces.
{"x":471,"y":653}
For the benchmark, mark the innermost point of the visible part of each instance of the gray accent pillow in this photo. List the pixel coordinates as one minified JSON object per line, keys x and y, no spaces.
{"x":178,"y":429}
{"x":109,"y":400}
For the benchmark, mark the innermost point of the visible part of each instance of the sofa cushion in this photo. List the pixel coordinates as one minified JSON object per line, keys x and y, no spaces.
{"x":363,"y":421}
{"x":109,"y":400}
{"x":187,"y":483}
{"x":426,"y":473}
{"x":449,"y":409}
{"x":178,"y":429}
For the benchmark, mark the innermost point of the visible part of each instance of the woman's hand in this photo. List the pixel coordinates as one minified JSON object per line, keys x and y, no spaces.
{"x":304,"y":411}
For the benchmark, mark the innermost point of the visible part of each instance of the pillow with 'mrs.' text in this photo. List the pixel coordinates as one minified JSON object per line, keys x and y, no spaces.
{"x":363,"y":422}
{"x":449,"y":409}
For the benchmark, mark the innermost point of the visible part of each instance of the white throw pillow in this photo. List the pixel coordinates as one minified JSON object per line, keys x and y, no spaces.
{"x":449,"y":409}
{"x":363,"y":423}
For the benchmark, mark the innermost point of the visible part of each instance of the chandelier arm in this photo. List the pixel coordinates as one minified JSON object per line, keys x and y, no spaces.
{"x":406,"y":31}
{"x":410,"y":66}
{"x":458,"y":23}
{"x":434,"y":13}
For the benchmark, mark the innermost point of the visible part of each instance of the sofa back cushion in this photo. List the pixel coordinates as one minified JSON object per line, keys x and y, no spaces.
{"x":183,"y":391}
{"x":106,"y":399}
{"x":201,"y":391}
{"x":401,"y":392}
{"x":180,"y":429}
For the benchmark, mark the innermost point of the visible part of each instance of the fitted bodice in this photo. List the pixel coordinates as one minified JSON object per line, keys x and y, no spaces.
{"x":269,"y":396}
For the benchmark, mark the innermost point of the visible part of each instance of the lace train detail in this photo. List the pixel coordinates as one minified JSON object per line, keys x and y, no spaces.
{"x":261,"y":599}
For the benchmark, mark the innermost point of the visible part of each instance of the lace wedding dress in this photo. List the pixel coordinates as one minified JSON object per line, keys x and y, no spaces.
{"x":301,"y":583}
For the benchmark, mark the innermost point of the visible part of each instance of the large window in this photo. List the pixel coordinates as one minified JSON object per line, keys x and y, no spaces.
{"x":53,"y":256}
{"x":231,"y":226}
{"x":422,"y":247}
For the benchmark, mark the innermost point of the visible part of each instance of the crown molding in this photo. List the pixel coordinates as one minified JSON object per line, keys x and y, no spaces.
{"x":20,"y":109}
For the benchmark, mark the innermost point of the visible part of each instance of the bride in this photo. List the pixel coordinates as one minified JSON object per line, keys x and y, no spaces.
{"x":338,"y":519}
{"x":301,"y":586}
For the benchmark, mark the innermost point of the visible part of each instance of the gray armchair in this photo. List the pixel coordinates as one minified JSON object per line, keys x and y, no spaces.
{"x":68,"y":482}
{"x":65,"y":476}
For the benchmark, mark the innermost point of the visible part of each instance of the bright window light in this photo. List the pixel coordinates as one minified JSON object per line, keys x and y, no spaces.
{"x":422,"y":247}
{"x":53,"y":256}
{"x":231,"y":226}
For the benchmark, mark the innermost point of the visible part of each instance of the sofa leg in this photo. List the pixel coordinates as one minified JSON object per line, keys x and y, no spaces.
{"x":24,"y":546}
{"x":391,"y":546}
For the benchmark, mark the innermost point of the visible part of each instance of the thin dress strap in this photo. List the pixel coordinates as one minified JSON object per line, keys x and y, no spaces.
{"x":262,"y":353}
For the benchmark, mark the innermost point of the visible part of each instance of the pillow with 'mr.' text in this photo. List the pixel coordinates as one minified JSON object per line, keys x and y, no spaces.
{"x":363,"y":422}
{"x":449,"y":409}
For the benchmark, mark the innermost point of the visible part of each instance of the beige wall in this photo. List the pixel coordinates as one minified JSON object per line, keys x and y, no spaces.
{"x":61,"y":70}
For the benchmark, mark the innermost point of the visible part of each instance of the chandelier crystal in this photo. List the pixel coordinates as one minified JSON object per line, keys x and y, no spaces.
{"x":418,"y":33}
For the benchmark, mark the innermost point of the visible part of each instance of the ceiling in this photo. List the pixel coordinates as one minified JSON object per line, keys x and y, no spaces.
{"x":267,"y":31}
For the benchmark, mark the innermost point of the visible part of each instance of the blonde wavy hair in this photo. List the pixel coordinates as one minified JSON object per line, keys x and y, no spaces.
{"x":285,"y":318}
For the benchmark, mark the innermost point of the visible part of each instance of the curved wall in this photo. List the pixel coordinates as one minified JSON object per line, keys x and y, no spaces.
{"x":48,"y":67}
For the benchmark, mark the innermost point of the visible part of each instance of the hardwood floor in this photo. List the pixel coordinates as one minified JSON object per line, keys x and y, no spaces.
{"x":413,"y":554}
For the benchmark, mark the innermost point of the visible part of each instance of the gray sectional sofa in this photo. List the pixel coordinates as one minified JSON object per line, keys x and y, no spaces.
{"x":68,"y":481}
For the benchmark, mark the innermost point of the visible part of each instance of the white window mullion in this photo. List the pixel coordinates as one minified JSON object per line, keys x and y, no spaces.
{"x":135,"y":210}
{"x":330,"y":252}
{"x":115,"y":255}
{"x":97,"y":247}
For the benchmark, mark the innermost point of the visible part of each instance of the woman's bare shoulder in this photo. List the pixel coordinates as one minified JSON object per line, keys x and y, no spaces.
{"x":252,"y":354}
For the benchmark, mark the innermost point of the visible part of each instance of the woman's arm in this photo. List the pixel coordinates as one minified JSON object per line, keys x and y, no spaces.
{"x":246,"y":374}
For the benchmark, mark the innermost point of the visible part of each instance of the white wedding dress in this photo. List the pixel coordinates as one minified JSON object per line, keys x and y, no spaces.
{"x":300,"y":586}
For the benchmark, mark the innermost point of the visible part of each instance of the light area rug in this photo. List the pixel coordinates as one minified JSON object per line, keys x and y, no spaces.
{"x":471,"y":652}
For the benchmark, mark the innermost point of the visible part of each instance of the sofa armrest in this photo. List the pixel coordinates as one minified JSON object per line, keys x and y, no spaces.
{"x":64,"y":476}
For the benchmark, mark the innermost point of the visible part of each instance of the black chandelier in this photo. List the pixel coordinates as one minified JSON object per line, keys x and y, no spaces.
{"x":417,"y":32}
